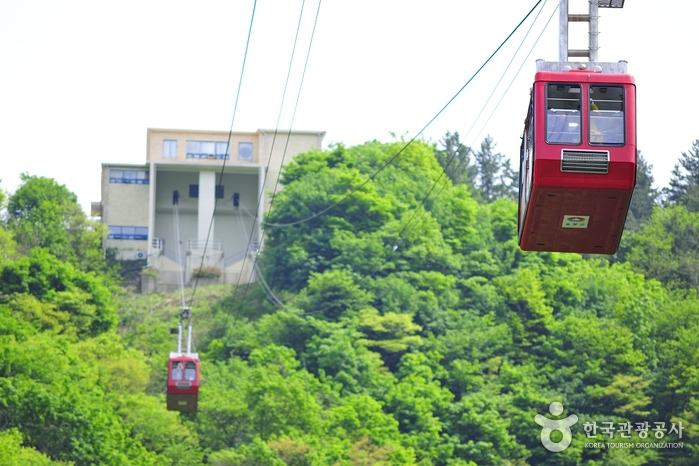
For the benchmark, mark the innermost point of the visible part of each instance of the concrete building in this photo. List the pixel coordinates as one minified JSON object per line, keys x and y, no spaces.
{"x":185,"y":167}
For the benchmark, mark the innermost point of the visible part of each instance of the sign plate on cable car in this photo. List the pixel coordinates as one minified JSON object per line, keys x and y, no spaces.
{"x":575,"y":221}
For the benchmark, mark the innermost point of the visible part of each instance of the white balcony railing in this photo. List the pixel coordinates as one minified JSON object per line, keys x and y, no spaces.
{"x":214,"y":244}
{"x":158,"y":245}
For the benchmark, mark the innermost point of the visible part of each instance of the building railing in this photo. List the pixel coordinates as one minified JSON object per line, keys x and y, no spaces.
{"x":214,"y":244}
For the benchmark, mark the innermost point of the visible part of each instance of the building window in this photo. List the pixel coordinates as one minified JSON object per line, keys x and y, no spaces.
{"x":194,"y":191}
{"x":128,"y":176}
{"x":222,"y":150}
{"x":207,"y":150}
{"x":244,"y":151}
{"x":125,"y":232}
{"x":170,"y":149}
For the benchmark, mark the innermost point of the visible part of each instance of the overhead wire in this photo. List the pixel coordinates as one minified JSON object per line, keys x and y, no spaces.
{"x":502,"y":76}
{"x":519,"y":69}
{"x":228,"y":144}
{"x":276,"y":130}
{"x":498,"y":103}
{"x":422,"y":130}
{"x":395,"y":243}
{"x":266,"y":288}
{"x":524,"y":61}
{"x":507,"y":68}
{"x":397,"y":240}
{"x":286,"y":147}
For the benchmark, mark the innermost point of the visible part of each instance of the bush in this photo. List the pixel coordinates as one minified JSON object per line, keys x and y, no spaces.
{"x":206,"y":272}
{"x":150,"y":272}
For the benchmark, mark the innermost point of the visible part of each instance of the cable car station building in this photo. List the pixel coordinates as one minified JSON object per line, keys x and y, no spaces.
{"x":184,"y":168}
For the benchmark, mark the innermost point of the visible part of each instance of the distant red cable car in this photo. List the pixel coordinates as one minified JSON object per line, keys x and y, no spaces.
{"x":183,"y":382}
{"x":578,"y":160}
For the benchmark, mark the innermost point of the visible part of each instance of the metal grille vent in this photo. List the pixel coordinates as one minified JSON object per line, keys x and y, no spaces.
{"x":585,"y":161}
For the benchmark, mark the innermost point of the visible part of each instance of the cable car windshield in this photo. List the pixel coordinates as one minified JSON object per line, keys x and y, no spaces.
{"x":563,"y":114}
{"x":606,"y":115}
{"x":186,"y":370}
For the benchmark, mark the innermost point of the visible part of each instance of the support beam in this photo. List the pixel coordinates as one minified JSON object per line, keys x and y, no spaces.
{"x":563,"y":30}
{"x":207,"y":200}
{"x":594,"y":30}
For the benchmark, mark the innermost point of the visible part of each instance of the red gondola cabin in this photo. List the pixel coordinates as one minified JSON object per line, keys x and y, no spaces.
{"x":183,"y":382}
{"x":578,"y":161}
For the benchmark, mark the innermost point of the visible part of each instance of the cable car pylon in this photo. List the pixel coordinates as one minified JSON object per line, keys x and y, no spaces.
{"x":183,"y":366}
{"x":578,"y":152}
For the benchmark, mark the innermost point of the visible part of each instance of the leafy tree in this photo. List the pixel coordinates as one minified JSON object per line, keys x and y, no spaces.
{"x":391,"y":334}
{"x":435,"y":346}
{"x":455,"y":160}
{"x":645,"y":196}
{"x":359,"y":232}
{"x":496,"y":178}
{"x":684,"y":184}
{"x":279,"y":395}
{"x":666,"y":247}
{"x":419,"y":403}
{"x":8,"y":247}
{"x":12,"y":451}
{"x":456,"y":212}
{"x":529,"y":315}
{"x":332,"y":293}
{"x":255,"y":453}
{"x":676,"y":384}
{"x":54,"y":399}
{"x":73,"y":301}
{"x":293,"y":452}
{"x":342,"y":355}
{"x":44,"y":214}
{"x":599,"y":349}
{"x":223,"y":420}
{"x":160,"y":431}
{"x":483,"y":431}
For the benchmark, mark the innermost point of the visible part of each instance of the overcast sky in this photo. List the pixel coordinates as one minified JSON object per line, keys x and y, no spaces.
{"x":81,"y":81}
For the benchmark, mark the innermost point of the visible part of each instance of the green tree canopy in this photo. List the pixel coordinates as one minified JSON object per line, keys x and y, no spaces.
{"x":455,"y":160}
{"x":45,"y":214}
{"x":495,"y":177}
{"x":645,"y":196}
{"x":684,"y":183}
{"x":666,"y":247}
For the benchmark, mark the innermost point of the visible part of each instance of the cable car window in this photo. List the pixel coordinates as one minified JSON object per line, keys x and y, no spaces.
{"x":177,"y":370}
{"x":190,"y":371}
{"x":606,"y":115}
{"x":563,"y":114}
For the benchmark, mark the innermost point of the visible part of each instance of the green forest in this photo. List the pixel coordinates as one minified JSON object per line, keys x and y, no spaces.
{"x":404,"y":326}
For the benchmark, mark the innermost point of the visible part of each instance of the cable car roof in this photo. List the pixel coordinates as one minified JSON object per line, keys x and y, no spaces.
{"x":184,"y":355}
{"x":595,"y":67}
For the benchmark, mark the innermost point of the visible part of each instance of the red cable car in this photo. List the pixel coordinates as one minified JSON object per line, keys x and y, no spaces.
{"x":578,"y":159}
{"x":183,"y":382}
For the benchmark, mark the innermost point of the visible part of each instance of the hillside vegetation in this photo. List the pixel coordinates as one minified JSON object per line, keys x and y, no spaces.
{"x":410,"y":328}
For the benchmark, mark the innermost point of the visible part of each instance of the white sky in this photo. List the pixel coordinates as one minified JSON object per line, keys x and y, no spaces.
{"x":82,"y":80}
